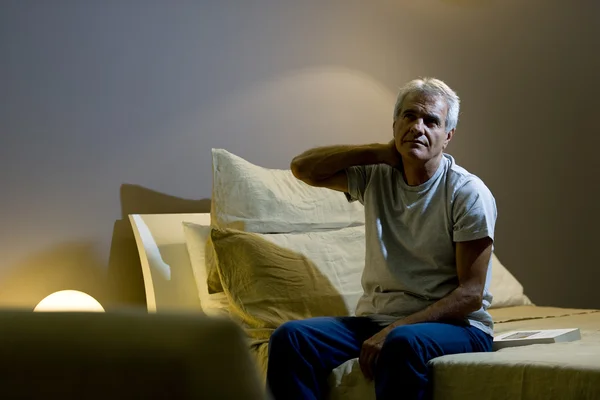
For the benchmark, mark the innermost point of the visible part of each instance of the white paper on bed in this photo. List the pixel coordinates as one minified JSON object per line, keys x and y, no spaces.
{"x":256,"y":199}
{"x":535,"y":336}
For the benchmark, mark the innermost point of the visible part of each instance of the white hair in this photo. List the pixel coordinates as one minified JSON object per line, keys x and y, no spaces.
{"x":431,"y":86}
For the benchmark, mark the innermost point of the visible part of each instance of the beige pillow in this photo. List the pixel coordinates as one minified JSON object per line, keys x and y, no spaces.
{"x":201,"y":258}
{"x":268,"y":283}
{"x":506,"y":290}
{"x":213,"y":280}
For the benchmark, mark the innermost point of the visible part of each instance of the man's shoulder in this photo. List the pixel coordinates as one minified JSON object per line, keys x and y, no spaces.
{"x":460,"y":180}
{"x":456,"y":172}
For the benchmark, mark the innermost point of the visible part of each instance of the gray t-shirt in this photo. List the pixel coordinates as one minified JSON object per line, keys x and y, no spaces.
{"x":411,"y":233}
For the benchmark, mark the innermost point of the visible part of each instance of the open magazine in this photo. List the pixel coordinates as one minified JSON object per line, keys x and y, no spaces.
{"x":535,"y":336}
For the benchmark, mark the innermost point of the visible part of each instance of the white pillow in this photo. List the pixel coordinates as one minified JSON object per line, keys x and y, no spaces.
{"x":256,"y":199}
{"x":506,"y":290}
{"x":196,"y":237}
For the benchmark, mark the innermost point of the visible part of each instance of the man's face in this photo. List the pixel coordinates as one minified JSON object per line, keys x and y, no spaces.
{"x":420,"y":128}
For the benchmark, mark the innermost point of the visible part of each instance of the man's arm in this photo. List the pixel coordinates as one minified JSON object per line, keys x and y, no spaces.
{"x":326,"y":166}
{"x":472,"y":259}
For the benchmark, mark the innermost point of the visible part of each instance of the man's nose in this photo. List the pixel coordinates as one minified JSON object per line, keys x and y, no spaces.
{"x":418,"y":126}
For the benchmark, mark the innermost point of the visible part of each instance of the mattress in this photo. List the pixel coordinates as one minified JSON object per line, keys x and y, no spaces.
{"x":544,"y":371}
{"x":547,"y":371}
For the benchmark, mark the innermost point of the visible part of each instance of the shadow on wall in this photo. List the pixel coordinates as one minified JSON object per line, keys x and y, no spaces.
{"x":124,"y":269}
{"x":77,"y":265}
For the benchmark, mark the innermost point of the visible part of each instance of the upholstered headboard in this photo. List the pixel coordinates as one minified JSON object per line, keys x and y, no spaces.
{"x":168,"y":276}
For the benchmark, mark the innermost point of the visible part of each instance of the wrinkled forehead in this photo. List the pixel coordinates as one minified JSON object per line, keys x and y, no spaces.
{"x":427,"y":103}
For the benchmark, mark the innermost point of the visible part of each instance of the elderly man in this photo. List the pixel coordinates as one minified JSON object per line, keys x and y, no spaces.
{"x":429,"y":237}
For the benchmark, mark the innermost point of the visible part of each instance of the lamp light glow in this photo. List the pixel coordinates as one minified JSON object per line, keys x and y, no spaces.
{"x":69,"y":300}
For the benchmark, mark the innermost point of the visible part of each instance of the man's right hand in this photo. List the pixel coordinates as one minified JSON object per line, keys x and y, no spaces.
{"x":392,"y":157}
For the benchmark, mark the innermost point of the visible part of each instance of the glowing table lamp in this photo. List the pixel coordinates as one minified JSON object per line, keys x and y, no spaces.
{"x":69,"y":300}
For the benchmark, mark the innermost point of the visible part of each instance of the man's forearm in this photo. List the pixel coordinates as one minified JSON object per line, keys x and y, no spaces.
{"x":454,"y":307}
{"x":324,"y":162}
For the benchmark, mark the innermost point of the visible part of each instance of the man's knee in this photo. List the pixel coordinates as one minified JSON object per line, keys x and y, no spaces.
{"x":285,"y":333}
{"x":402,"y":341}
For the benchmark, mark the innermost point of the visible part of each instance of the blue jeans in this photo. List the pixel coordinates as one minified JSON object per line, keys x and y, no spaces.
{"x":303,"y":353}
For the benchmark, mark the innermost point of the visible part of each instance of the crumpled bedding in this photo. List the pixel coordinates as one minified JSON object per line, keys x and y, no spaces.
{"x":544,"y":371}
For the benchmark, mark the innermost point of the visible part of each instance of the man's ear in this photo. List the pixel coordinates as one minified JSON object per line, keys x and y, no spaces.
{"x":394,"y":129}
{"x":449,"y":137}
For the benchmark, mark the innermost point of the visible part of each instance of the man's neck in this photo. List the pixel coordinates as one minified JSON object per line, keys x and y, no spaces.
{"x":416,"y":173}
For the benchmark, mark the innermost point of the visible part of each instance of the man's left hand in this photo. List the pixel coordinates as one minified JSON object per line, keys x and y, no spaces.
{"x":370,"y":352}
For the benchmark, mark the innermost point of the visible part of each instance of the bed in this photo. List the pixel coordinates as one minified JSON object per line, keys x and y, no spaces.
{"x":180,"y":273}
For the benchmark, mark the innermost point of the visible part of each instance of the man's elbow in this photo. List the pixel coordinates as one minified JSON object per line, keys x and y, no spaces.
{"x":473,"y":301}
{"x":300,"y":170}
{"x":476,"y":302}
{"x":296,"y":167}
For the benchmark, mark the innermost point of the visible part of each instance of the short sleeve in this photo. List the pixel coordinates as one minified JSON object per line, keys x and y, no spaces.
{"x":474,"y":212}
{"x":358,"y":180}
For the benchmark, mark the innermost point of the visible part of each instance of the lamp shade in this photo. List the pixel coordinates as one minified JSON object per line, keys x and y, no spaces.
{"x":69,"y":300}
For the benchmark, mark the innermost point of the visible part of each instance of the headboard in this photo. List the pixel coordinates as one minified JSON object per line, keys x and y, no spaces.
{"x":168,"y":276}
